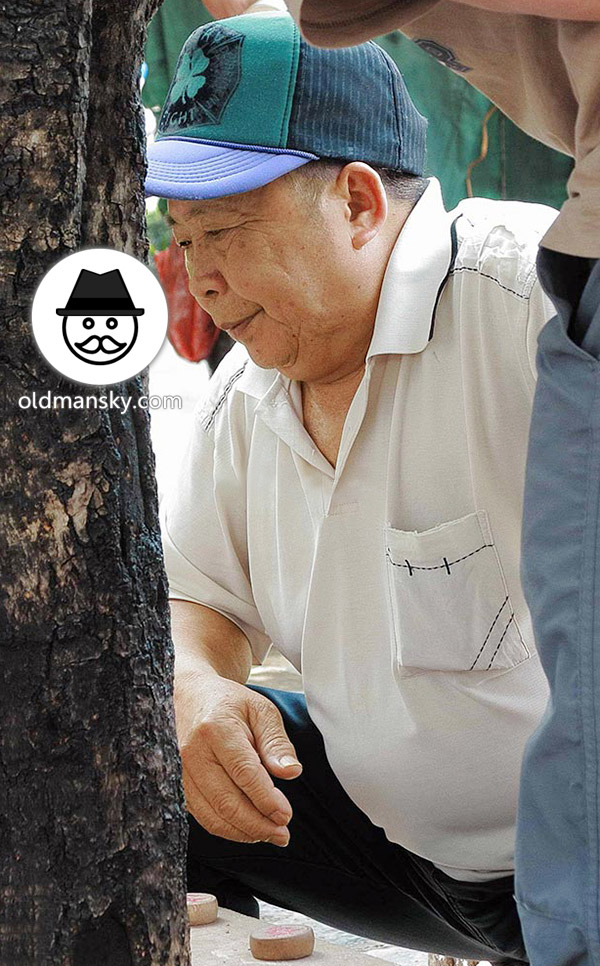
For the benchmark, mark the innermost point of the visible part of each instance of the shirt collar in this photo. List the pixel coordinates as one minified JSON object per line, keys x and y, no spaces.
{"x":256,"y":381}
{"x":416,"y":273}
{"x":414,"y":278}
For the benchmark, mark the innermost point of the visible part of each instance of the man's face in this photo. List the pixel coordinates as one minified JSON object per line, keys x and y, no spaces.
{"x":277,"y":273}
{"x":100,"y":339}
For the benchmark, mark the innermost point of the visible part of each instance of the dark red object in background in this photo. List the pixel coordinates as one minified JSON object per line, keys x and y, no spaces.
{"x":191,"y":330}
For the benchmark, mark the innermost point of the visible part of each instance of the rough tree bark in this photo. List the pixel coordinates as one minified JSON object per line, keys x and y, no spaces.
{"x":92,"y":816}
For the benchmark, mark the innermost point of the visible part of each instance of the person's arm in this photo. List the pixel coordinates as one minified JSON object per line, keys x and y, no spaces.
{"x":221,"y":9}
{"x":327,"y":24}
{"x":231,"y":738}
{"x":207,"y":641}
{"x":555,"y":9}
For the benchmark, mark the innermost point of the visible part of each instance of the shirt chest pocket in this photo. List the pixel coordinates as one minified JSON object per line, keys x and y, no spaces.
{"x":451,"y":610}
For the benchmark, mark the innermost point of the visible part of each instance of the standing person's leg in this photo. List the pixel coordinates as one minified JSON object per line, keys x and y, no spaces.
{"x":557,"y":857}
{"x":340,"y":869}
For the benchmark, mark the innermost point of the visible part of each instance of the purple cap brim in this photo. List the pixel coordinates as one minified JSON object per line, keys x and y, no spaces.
{"x":188,"y":169}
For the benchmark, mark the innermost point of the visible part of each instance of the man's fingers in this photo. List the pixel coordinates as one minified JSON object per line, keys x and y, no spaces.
{"x":245,"y":769}
{"x":203,"y":813}
{"x":229,"y":802}
{"x":272,"y":743}
{"x":227,"y":758}
{"x":240,"y":828}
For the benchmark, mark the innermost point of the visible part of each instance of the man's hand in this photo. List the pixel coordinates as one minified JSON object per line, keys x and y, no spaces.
{"x":220,"y":9}
{"x":230,"y":739}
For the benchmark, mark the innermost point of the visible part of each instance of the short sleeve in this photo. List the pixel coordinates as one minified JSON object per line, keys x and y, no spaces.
{"x":203,"y":526}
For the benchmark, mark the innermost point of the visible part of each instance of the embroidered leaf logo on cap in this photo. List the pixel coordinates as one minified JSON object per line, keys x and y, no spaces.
{"x":208,"y":74}
{"x":191,"y":77}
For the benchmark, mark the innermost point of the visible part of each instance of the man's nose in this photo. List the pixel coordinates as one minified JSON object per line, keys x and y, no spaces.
{"x":206,"y":281}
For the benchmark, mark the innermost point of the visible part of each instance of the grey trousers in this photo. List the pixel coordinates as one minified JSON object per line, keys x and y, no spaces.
{"x":557,"y":860}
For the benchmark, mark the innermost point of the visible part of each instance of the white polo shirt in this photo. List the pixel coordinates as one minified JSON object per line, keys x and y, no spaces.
{"x":392,"y":581}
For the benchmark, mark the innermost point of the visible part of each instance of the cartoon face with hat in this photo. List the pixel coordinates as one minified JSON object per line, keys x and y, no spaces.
{"x":100,"y":320}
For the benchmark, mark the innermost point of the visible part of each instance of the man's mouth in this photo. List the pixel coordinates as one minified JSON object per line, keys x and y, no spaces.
{"x":237,"y":325}
{"x":97,"y":343}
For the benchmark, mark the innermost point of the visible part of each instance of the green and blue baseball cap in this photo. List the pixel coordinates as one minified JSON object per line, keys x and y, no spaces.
{"x":251,"y":101}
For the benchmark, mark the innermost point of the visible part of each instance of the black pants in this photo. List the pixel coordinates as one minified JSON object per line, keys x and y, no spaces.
{"x":340,"y":869}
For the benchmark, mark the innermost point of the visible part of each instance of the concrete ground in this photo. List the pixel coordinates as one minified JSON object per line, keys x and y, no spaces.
{"x":225,"y":943}
{"x":171,"y":375}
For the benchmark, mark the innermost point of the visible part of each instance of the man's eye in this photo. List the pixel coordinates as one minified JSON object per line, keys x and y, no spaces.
{"x":207,"y":234}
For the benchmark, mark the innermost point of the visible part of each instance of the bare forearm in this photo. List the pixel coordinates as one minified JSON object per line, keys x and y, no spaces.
{"x":231,"y":738}
{"x":206,"y":643}
{"x":555,"y":9}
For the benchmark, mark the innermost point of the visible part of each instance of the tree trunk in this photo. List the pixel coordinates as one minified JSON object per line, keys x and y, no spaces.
{"x":92,"y":815}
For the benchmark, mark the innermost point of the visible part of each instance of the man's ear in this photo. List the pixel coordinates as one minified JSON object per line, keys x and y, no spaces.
{"x":366,"y":201}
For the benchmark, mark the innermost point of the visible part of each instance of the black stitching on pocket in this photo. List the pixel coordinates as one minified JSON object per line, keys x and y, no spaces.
{"x":444,"y":566}
{"x":487,"y":637}
{"x":500,"y":641}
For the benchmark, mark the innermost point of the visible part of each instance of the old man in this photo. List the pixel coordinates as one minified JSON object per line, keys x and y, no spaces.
{"x":352,"y":492}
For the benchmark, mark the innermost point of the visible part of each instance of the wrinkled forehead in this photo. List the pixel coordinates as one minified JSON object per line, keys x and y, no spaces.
{"x":183,"y":212}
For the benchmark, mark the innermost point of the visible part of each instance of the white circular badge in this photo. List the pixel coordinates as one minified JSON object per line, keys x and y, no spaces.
{"x":99,"y":316}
